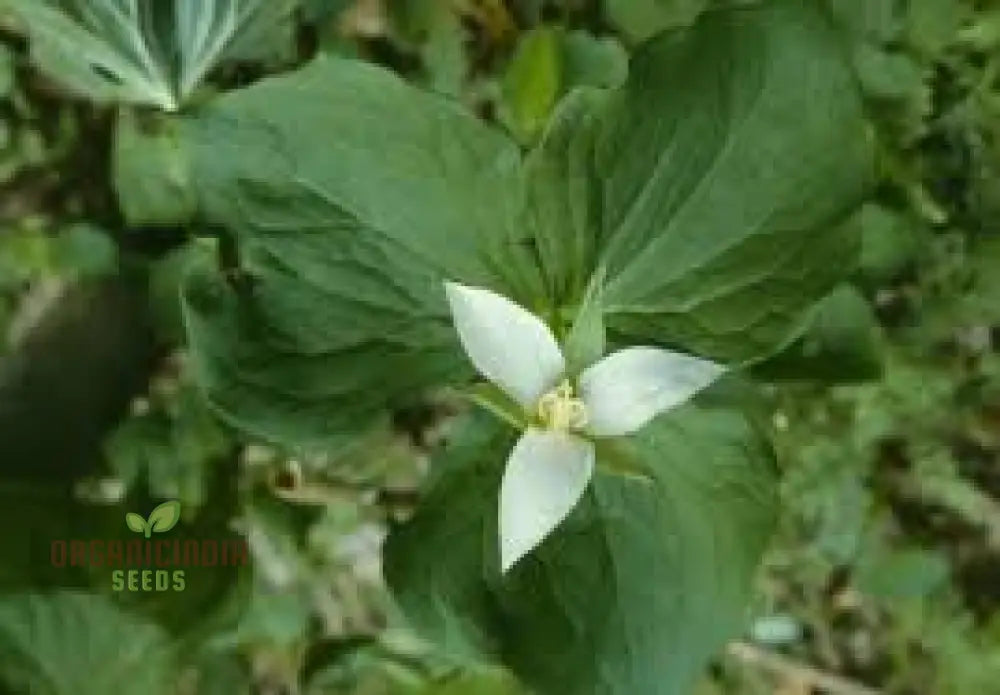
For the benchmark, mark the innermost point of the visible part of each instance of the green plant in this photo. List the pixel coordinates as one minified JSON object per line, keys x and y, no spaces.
{"x":322,"y":211}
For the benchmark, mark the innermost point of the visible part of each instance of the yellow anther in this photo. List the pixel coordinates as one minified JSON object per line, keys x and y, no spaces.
{"x":561,"y":410}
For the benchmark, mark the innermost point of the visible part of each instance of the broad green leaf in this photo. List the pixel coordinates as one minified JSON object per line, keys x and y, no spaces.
{"x":443,"y":196}
{"x":164,"y":517}
{"x":560,"y":196}
{"x":146,"y":52}
{"x":446,"y":597}
{"x":135,"y":522}
{"x":841,"y":344}
{"x":70,"y":643}
{"x":619,"y":459}
{"x":313,"y":363}
{"x":638,"y":588}
{"x":151,"y":172}
{"x":101,"y":49}
{"x":725,"y":164}
{"x":345,"y":241}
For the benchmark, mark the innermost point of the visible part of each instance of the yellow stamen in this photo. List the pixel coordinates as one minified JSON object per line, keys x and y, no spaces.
{"x":561,"y":410}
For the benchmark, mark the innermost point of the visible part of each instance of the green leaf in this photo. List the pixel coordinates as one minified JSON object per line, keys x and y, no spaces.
{"x":123,"y":51}
{"x":619,"y":459}
{"x":164,"y":517}
{"x":547,"y":63}
{"x":101,"y":49}
{"x":642,"y":19}
{"x":726,"y":164}
{"x":710,"y":186}
{"x":890,"y":244}
{"x":585,"y":343}
{"x":338,"y":308}
{"x":444,"y":196}
{"x":151,"y":172}
{"x":560,"y":196}
{"x":208,"y":31}
{"x":70,"y":643}
{"x":841,"y":345}
{"x":135,"y":522}
{"x":533,"y":82}
{"x":639,"y":587}
{"x":593,"y":61}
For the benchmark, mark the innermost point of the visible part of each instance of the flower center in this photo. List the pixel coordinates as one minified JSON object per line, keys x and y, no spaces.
{"x":561,"y":410}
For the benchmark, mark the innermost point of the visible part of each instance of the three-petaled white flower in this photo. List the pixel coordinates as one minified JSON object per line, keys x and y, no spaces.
{"x":552,"y":463}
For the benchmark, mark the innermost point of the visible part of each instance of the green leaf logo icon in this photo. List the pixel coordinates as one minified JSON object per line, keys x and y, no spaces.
{"x":161,"y":519}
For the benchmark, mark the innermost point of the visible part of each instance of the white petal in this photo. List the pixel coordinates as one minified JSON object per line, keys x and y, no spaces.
{"x":629,"y":388}
{"x":546,"y":475}
{"x":508,"y":345}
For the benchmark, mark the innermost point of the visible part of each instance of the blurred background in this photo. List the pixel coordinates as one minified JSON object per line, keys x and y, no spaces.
{"x":884,"y":576}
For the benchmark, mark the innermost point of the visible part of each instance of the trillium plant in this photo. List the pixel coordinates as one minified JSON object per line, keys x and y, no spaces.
{"x":561,"y":413}
{"x":364,"y":239}
{"x":601,"y":536}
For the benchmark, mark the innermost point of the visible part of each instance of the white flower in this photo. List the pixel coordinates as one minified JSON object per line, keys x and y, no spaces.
{"x":551,"y":464}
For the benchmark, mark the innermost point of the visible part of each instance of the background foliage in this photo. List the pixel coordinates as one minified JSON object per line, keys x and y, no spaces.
{"x":885,"y":570}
